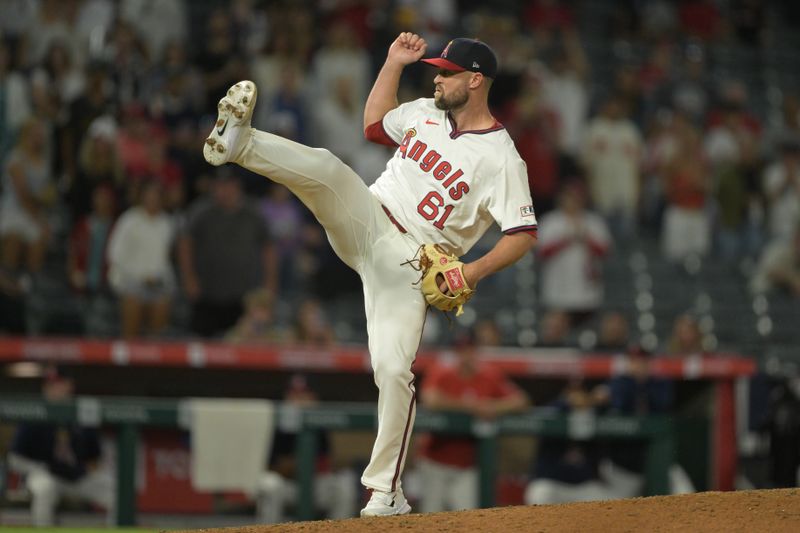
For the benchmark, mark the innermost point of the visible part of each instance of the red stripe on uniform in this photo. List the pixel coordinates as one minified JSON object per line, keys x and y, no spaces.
{"x":405,"y":436}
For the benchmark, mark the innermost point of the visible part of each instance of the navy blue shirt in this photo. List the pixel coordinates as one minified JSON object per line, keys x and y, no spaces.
{"x":38,"y":442}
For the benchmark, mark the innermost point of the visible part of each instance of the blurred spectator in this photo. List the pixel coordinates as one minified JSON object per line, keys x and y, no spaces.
{"x":27,"y":191}
{"x":96,"y":101}
{"x":140,"y":270}
{"x":87,"y":257}
{"x":779,"y":267}
{"x":786,"y":126}
{"x":128,"y":61}
{"x":535,"y":127}
{"x":12,"y":304}
{"x":54,"y":20}
{"x":61,"y":460}
{"x":690,"y":90}
{"x":448,"y":463}
{"x":566,"y":469}
{"x":99,"y":164}
{"x":431,"y":20}
{"x":632,"y":393}
{"x":549,"y":16}
{"x":566,"y":92}
{"x":572,"y":242}
{"x":251,"y":23}
{"x":157,"y":23}
{"x":731,"y":147}
{"x":335,"y":491}
{"x":93,"y":21}
{"x":174,"y":87}
{"x":686,"y":227}
{"x":292,"y":235}
{"x":15,"y":106}
{"x":59,"y":74}
{"x":783,"y":428}
{"x":657,"y":69}
{"x":614,"y":333}
{"x":487,"y":333}
{"x":628,"y":88}
{"x":782,"y":190}
{"x":225,"y":251}
{"x":700,"y":19}
{"x":311,"y":325}
{"x":341,"y":56}
{"x":612,"y":157}
{"x":658,"y":18}
{"x":338,"y":125}
{"x":142,"y":146}
{"x":288,"y":112}
{"x":17,"y":17}
{"x":554,"y":330}
{"x":219,"y":57}
{"x":269,"y":71}
{"x":748,"y":19}
{"x":257,"y":324}
{"x":686,"y":338}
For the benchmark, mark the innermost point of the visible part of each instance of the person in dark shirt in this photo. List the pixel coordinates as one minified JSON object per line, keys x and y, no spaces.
{"x":335,"y":491}
{"x":635,"y":392}
{"x":225,"y":252}
{"x":60,"y":460}
{"x":566,"y":468}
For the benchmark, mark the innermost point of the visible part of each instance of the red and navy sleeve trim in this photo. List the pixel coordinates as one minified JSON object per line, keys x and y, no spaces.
{"x":455,"y":133}
{"x":377,"y":133}
{"x":532,"y":229}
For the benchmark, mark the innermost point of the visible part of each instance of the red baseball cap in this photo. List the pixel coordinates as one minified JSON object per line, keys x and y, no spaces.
{"x":464,"y":54}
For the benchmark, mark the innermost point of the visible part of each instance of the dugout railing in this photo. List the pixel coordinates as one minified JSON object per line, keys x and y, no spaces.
{"x":128,"y":415}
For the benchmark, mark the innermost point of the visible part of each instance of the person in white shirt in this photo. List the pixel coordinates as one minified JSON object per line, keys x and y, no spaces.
{"x":455,"y":173}
{"x":140,"y":271}
{"x":572,"y":244}
{"x":782,"y":190}
{"x":612,"y":158}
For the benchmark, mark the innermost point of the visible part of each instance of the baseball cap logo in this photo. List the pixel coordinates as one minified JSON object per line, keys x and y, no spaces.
{"x":446,"y":49}
{"x":466,"y":54}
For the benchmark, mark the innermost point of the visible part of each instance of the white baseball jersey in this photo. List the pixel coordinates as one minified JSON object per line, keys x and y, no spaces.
{"x":446,"y":186}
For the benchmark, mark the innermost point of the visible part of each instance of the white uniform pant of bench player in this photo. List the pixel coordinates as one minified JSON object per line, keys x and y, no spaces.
{"x":97,"y":487}
{"x":335,"y":493}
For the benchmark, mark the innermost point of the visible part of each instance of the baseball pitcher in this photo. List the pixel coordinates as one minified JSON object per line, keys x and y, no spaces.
{"x":454,"y":173}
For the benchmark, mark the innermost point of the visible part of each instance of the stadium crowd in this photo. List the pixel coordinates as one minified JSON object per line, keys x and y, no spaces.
{"x":104,"y":105}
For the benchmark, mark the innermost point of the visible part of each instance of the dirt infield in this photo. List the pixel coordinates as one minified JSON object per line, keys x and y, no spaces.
{"x":745,"y":511}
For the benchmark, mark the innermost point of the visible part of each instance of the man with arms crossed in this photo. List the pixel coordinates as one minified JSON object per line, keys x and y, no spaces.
{"x":455,"y":172}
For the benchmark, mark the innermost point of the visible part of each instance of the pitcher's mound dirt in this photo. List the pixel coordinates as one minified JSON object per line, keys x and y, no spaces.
{"x":745,"y":511}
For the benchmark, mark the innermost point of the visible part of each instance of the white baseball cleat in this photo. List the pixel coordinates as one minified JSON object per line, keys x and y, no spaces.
{"x":233,"y":122}
{"x":386,"y":504}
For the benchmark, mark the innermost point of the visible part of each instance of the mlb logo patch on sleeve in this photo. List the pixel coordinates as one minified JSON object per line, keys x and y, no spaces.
{"x":526,"y":210}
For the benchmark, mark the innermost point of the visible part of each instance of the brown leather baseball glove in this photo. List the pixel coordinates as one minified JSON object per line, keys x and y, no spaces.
{"x":439,"y":267}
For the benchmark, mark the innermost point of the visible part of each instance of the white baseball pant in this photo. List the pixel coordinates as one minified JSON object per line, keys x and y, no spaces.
{"x":548,"y":491}
{"x":447,"y":488}
{"x":97,"y":486}
{"x":334,"y":493}
{"x":364,"y":237}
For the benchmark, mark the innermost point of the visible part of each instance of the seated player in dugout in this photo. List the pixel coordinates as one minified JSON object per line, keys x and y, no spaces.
{"x":61,"y":460}
{"x":335,"y":489}
{"x":455,"y":172}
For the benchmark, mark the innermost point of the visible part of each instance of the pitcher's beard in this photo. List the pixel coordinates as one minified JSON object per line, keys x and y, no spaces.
{"x":457,"y":100}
